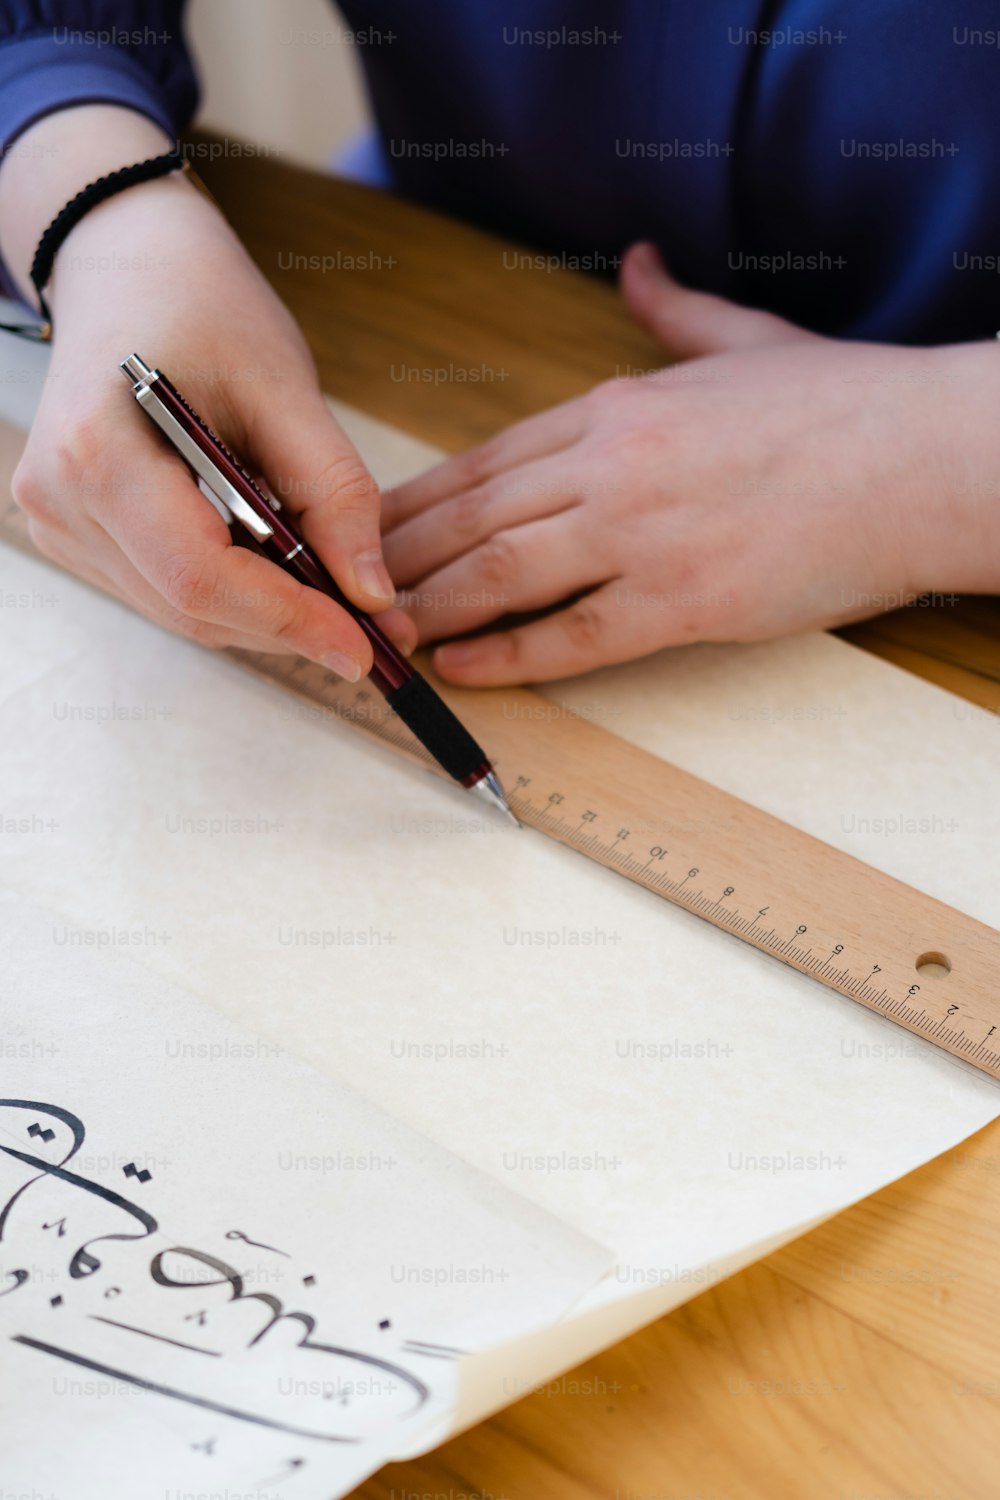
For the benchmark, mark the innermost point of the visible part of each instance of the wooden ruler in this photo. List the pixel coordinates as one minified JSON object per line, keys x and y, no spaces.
{"x":922,"y":964}
{"x":906,"y":955}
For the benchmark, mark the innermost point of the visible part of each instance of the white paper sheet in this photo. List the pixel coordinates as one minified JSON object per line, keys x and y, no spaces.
{"x":649,"y":1080}
{"x":218,"y":1265}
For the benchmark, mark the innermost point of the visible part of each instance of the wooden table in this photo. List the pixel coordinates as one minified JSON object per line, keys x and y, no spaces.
{"x":861,"y":1362}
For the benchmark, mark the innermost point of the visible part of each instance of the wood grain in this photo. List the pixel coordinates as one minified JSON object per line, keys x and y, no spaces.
{"x":859,"y":1363}
{"x":437,"y":298}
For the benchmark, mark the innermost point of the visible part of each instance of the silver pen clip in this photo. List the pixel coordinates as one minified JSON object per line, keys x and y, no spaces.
{"x":211,"y":480}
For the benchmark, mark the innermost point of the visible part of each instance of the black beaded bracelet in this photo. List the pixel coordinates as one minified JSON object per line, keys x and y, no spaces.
{"x":70,"y":216}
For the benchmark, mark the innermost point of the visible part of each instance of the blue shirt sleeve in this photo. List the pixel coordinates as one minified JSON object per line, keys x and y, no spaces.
{"x":56,"y":53}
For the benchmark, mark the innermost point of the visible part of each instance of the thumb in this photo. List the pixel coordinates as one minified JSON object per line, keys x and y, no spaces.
{"x":692,"y":323}
{"x":314,"y":470}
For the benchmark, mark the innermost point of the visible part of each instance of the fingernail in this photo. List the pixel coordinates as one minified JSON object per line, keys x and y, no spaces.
{"x":345,"y":666}
{"x":372,"y":575}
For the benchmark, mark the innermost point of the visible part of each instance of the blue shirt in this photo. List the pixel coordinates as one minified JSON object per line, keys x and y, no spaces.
{"x":836,"y":161}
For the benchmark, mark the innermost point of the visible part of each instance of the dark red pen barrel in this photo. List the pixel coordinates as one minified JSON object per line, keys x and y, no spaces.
{"x":390,"y":669}
{"x":409,"y":694}
{"x":406,"y":692}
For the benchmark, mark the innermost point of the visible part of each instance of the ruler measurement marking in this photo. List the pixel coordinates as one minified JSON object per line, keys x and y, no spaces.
{"x":615,"y":854}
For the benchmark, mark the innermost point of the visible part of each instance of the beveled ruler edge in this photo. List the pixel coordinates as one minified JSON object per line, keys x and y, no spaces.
{"x":928,"y":926}
{"x":970,"y":991}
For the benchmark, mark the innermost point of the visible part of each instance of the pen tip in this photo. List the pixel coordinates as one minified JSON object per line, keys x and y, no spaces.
{"x":489,"y":788}
{"x":506,"y":808}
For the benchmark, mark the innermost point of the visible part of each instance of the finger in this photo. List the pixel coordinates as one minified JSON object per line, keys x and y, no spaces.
{"x":116,"y":577}
{"x":399,"y":626}
{"x":140,"y":595}
{"x":527,"y":567}
{"x":182,"y":546}
{"x":443,"y":532}
{"x":314,"y":470}
{"x":395,"y":623}
{"x":693,"y":323}
{"x":536,"y":437}
{"x":592,"y":632}
{"x":202,"y":633}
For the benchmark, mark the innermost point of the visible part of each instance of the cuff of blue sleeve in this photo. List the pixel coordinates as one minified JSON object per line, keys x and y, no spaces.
{"x":39,"y":75}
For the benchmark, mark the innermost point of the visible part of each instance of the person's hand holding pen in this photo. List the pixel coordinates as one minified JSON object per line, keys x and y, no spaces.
{"x":157,"y":267}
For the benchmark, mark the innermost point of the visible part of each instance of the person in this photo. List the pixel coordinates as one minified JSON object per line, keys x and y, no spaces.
{"x":803,"y":198}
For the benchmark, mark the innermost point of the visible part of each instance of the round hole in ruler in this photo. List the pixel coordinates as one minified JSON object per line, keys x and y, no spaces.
{"x":933,"y":966}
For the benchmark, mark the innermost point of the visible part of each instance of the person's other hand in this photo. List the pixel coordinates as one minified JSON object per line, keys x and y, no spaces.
{"x":775,"y":481}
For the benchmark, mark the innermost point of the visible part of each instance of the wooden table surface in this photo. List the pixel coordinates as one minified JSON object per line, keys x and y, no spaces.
{"x":862,"y":1361}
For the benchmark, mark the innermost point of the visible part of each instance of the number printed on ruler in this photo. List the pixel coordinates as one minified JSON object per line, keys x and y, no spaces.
{"x":920,"y":963}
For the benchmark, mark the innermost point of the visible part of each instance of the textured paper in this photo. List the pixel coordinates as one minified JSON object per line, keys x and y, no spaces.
{"x":183,"y":1206}
{"x":652,"y":1082}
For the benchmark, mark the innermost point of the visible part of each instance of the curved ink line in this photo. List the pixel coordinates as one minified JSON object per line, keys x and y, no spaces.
{"x":20,"y":1277}
{"x":423,"y":1391}
{"x":107,"y":1194}
{"x":419,"y":1346}
{"x":162,"y":1278}
{"x":237,"y":1234}
{"x":278,"y":1313}
{"x":166,"y":1390}
{"x":76,"y":1128}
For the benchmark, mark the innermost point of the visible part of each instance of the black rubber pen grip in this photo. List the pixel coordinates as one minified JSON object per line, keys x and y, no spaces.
{"x":438,"y":730}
